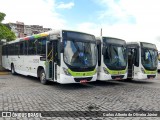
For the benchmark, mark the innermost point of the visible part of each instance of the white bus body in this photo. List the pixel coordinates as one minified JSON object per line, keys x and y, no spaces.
{"x":61,"y":56}
{"x":142,"y":60}
{"x":112,"y":59}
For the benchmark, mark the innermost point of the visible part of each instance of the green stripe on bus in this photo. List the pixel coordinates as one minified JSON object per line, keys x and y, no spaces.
{"x":37,"y":36}
{"x":116,"y":72}
{"x":150,"y":72}
{"x":79,"y":74}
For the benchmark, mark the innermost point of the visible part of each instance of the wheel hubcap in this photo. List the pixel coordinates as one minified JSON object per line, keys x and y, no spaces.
{"x":42,"y":77}
{"x":12,"y":70}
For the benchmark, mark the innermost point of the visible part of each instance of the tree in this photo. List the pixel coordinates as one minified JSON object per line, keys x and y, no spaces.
{"x":5,"y":32}
{"x":2,"y":15}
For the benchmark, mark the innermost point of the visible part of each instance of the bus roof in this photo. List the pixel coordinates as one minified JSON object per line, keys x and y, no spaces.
{"x":99,"y":38}
{"x":133,"y":43}
{"x":34,"y":36}
{"x":138,"y":42}
{"x":41,"y":35}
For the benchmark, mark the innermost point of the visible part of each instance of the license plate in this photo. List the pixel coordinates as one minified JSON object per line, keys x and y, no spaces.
{"x":151,"y":78}
{"x":83,"y":81}
{"x":118,"y":78}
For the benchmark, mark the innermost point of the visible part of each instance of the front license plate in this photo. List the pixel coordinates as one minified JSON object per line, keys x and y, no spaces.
{"x":118,"y":78}
{"x":83,"y":81}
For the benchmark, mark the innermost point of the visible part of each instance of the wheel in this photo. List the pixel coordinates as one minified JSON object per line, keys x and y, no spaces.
{"x":42,"y":77}
{"x":13,"y":70}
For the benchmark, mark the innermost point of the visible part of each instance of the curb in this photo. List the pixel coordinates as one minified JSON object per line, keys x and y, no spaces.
{"x":4,"y":73}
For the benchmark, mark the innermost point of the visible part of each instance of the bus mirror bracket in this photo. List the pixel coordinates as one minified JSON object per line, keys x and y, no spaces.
{"x":61,"y":47}
{"x":103,"y":50}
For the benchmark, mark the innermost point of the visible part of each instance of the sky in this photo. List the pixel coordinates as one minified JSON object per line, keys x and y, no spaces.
{"x":131,"y":20}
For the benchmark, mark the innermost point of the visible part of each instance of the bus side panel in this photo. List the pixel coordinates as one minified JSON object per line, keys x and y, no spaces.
{"x":5,"y":62}
{"x":31,"y":64}
{"x":136,"y":72}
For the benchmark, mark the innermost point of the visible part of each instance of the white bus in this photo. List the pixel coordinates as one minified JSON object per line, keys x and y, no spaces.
{"x":142,"y":60}
{"x":112,"y":59}
{"x":61,"y":56}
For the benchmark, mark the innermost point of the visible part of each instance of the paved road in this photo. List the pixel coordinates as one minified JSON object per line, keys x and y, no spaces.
{"x":20,"y":93}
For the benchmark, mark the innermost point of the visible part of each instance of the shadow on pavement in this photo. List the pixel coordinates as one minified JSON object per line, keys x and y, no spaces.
{"x":54,"y":84}
{"x":88,"y":85}
{"x":73,"y":86}
{"x":34,"y":79}
{"x":138,"y":81}
{"x":105,"y":83}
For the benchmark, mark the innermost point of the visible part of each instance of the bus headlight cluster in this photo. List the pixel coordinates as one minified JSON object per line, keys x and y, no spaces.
{"x":105,"y":70}
{"x":142,"y":70}
{"x":66,"y":71}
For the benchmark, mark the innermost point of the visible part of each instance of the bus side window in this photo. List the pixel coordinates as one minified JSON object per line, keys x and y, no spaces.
{"x":16,"y":49}
{"x":11,"y":49}
{"x":32,"y":47}
{"x":4,"y":50}
{"x":21,"y":48}
{"x":41,"y":46}
{"x":25,"y":48}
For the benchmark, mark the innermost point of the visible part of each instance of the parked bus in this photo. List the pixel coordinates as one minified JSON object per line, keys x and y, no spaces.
{"x":112,"y":58}
{"x":142,"y":60}
{"x":61,"y":56}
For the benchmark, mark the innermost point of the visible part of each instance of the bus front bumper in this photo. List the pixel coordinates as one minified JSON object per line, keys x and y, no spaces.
{"x":65,"y":79}
{"x":103,"y":76}
{"x":141,"y":76}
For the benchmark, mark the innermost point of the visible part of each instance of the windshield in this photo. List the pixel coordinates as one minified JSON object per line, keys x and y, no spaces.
{"x":149,"y":59}
{"x":115,"y":57}
{"x":80,"y":54}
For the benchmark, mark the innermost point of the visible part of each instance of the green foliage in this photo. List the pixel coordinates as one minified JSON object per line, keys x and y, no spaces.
{"x":5,"y":33}
{"x":2,"y":15}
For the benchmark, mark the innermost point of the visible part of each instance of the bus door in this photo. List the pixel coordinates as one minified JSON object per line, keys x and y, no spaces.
{"x":131,"y":61}
{"x":51,"y":73}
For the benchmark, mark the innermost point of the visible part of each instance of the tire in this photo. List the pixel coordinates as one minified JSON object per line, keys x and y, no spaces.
{"x":13,"y":70}
{"x":42,"y":77}
{"x":128,"y":80}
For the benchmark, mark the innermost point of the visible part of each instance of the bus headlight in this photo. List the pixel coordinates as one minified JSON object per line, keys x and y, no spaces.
{"x":105,"y":70}
{"x":142,"y":70}
{"x":66,"y":71}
